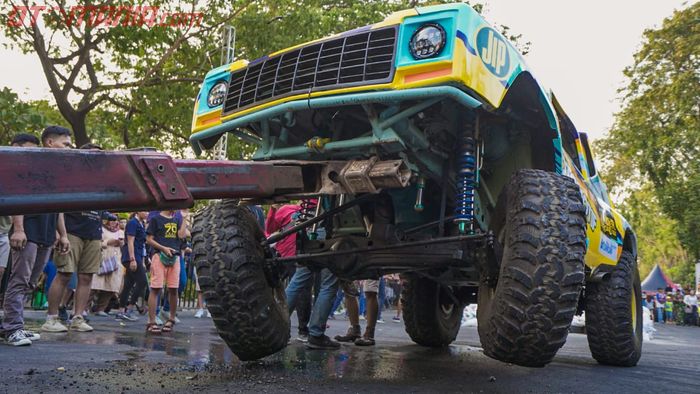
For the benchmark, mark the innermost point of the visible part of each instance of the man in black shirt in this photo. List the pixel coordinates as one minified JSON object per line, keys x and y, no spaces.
{"x":31,"y":239}
{"x":164,"y":234}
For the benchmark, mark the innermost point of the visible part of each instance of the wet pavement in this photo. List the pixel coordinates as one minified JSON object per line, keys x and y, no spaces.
{"x":120,"y":357}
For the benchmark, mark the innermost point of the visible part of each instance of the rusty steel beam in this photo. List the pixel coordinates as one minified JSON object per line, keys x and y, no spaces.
{"x":208,"y":179}
{"x":36,"y":180}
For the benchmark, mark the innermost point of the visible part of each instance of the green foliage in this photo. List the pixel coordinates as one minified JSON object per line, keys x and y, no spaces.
{"x":657,"y":237}
{"x":136,"y":85}
{"x":17,"y":116}
{"x":656,"y":136}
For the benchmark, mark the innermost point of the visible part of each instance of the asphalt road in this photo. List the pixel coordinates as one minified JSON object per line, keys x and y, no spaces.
{"x":121,"y":358}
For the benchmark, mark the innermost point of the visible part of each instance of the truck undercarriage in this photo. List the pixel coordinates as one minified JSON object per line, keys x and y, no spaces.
{"x":471,"y":184}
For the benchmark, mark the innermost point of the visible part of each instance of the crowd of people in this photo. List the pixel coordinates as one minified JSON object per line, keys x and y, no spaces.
{"x":673,"y":307}
{"x":362,"y":299}
{"x":91,"y":259}
{"x":90,"y":262}
{"x":95,"y":261}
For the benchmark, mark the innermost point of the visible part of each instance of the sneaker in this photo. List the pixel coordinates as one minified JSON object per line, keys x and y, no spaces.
{"x":102,"y":314}
{"x":303,"y":338}
{"x":159,"y":321}
{"x":54,"y":324}
{"x":79,"y":324}
{"x":62,"y":313}
{"x":208,"y":314}
{"x":120,"y":316}
{"x":128,"y":316}
{"x":31,"y":335}
{"x":83,"y":315}
{"x":380,"y":320}
{"x":362,"y":317}
{"x":199,"y":313}
{"x":322,"y":342}
{"x":17,"y":338}
{"x":396,"y":319}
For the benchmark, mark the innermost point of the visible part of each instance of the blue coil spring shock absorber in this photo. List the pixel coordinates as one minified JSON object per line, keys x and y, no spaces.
{"x":466,"y":180}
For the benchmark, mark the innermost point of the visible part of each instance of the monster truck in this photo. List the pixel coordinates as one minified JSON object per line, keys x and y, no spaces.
{"x":433,"y":152}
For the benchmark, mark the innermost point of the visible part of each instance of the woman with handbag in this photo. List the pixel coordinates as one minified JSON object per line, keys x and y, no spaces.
{"x":108,"y":281}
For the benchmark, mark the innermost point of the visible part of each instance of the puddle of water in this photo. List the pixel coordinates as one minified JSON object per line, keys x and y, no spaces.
{"x":201,"y":348}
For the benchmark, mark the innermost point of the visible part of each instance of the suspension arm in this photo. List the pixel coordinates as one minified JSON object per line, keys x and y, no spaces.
{"x":36,"y":180}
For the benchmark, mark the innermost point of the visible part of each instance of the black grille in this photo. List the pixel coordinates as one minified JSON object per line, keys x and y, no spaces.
{"x":365,"y":57}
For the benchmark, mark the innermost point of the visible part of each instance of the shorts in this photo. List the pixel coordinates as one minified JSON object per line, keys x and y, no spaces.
{"x":4,"y":250}
{"x":349,"y":288}
{"x":85,"y":256}
{"x":160,"y":274}
{"x":371,"y":286}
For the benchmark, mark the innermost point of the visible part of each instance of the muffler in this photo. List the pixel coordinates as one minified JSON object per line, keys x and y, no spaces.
{"x":371,"y":176}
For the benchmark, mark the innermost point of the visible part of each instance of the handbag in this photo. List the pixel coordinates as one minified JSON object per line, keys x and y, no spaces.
{"x":108,"y":265}
{"x":168,"y":261}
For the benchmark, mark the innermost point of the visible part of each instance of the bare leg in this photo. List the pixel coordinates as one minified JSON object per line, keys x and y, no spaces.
{"x":200,"y":300}
{"x":398,"y":309}
{"x":172,"y":298}
{"x":66,"y":295}
{"x":82,"y":293}
{"x":56,"y":291}
{"x":152,"y":301}
{"x":372,"y":312}
{"x":353,"y":310}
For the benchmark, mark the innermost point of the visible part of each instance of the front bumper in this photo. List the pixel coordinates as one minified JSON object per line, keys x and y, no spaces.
{"x":392,"y":96}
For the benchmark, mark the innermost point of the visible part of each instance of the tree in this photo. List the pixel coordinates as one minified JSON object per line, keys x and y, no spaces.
{"x":17,"y":116}
{"x":140,"y":81}
{"x":656,"y":135}
{"x":92,"y":54}
{"x":657,"y":238}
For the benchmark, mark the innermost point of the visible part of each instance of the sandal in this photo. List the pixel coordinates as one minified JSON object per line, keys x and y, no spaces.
{"x":152,"y":328}
{"x":168,"y":326}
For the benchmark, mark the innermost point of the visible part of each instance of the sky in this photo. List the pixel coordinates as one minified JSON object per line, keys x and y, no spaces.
{"x":578,"y":50}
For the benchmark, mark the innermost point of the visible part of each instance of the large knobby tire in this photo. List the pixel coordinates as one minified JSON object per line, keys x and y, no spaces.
{"x":431,"y":317}
{"x":614,"y":315}
{"x":249,"y":312}
{"x":525,"y":318}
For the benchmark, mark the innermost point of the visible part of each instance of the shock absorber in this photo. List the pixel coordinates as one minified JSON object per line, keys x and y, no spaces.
{"x":466,"y":179}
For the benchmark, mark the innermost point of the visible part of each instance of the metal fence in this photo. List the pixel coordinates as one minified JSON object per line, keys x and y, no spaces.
{"x":187,"y":296}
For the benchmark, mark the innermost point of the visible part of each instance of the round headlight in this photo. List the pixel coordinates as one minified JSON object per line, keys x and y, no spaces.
{"x":428,"y":41}
{"x":217,"y":94}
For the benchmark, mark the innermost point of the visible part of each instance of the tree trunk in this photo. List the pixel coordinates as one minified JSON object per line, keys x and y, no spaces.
{"x":79,"y":130}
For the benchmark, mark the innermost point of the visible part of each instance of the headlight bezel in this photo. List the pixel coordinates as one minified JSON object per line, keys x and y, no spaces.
{"x":421,"y":28}
{"x":222,"y":94}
